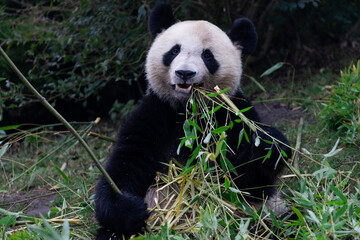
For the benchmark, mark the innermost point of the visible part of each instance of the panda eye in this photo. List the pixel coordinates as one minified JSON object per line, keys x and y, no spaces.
{"x":175,"y":50}
{"x":207,"y":55}
{"x":209,"y":60}
{"x":169,"y":56}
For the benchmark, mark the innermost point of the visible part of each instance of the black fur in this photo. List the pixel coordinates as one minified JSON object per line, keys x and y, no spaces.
{"x":243,"y":33}
{"x":161,"y":18}
{"x":210,"y":62}
{"x":171,"y":55}
{"x":149,"y":138}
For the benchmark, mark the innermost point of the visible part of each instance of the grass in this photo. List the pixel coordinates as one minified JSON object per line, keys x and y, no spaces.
{"x":323,"y":201}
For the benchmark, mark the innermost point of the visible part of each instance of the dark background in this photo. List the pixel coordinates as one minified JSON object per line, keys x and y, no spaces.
{"x":87,"y":57}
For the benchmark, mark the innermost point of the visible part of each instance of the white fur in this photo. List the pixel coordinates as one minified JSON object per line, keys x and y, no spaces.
{"x":194,"y":37}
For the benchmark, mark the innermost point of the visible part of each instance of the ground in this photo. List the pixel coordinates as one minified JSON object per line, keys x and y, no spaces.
{"x":34,"y":202}
{"x":38,"y":200}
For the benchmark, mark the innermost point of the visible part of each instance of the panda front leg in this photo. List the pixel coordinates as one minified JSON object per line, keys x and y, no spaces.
{"x":137,"y":155}
{"x":275,"y":147}
{"x":259,"y":177}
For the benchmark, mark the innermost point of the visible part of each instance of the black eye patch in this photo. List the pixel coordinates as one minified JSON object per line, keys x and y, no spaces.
{"x":210,"y":62}
{"x":171,"y":55}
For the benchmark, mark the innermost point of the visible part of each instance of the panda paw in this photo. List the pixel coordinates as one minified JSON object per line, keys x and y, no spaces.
{"x":124,"y":216}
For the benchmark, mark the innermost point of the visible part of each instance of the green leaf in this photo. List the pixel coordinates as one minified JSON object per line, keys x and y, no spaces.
{"x":193,"y":106}
{"x":268,"y":155}
{"x":10,"y":127}
{"x":230,"y":165}
{"x":3,"y":149}
{"x":257,"y":83}
{"x":245,"y":109}
{"x":299,"y":215}
{"x":65,"y":233}
{"x":220,"y":129}
{"x":84,"y":188}
{"x":272,"y":69}
{"x":339,"y":194}
{"x":193,"y":156}
{"x":340,"y":212}
{"x":195,"y":125}
{"x":66,"y":178}
{"x":219,"y":144}
{"x":333,"y":151}
{"x":227,"y":182}
{"x":212,"y":94}
{"x":313,"y":216}
{"x":215,"y":109}
{"x":241,"y":134}
{"x":224,"y":90}
{"x":246,"y":136}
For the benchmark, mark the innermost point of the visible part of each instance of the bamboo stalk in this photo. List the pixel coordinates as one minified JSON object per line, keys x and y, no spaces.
{"x":298,"y":144}
{"x":234,"y":107}
{"x":48,"y":106}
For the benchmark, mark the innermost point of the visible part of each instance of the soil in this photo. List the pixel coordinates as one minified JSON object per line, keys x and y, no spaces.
{"x":272,"y":112}
{"x":33,"y":202}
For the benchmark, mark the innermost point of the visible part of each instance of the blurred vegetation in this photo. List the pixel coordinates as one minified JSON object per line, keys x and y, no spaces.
{"x":90,"y":54}
{"x":342,"y":111}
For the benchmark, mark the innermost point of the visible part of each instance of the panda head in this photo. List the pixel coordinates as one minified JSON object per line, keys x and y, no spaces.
{"x":192,"y":54}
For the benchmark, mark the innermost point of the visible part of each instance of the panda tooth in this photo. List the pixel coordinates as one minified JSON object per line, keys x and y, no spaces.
{"x":189,"y":88}
{"x":184,"y":90}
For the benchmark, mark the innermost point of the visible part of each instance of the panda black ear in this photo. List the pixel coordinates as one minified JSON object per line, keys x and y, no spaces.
{"x":161,"y":17}
{"x":243,"y":33}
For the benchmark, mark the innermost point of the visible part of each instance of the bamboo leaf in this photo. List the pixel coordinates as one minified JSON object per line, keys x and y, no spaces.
{"x":11,"y":127}
{"x":272,"y":69}
{"x":220,"y":129}
{"x":3,"y":149}
{"x":65,"y":177}
{"x":257,"y":83}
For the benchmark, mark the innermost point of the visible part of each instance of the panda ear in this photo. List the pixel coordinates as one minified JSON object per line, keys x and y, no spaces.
{"x":243,"y":33}
{"x":161,"y":17}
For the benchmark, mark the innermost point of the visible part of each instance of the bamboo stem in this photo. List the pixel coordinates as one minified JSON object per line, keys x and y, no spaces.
{"x":48,"y":106}
{"x":298,"y":144}
{"x":234,"y":107}
{"x":103,"y":137}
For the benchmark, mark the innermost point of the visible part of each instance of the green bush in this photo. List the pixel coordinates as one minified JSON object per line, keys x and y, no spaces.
{"x":71,"y":49}
{"x":342,"y":110}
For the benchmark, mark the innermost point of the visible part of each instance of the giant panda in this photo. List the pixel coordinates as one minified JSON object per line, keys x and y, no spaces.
{"x":184,"y":55}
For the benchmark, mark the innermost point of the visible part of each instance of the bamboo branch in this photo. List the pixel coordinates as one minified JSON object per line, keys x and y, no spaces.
{"x":234,"y":107}
{"x":48,"y":106}
{"x":103,"y":137}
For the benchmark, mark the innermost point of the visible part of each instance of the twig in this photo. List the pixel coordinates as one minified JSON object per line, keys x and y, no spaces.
{"x":48,"y":106}
{"x":295,"y":159}
{"x":103,"y":137}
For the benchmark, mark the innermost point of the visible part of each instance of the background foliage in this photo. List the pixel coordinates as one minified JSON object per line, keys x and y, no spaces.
{"x":342,"y":112}
{"x":86,"y":55}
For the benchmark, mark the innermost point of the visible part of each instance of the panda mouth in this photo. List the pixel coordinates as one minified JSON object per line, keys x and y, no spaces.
{"x":186,"y":88}
{"x":183,"y":88}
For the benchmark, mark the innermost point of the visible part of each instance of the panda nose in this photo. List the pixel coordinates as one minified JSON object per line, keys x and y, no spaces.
{"x":185,"y":74}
